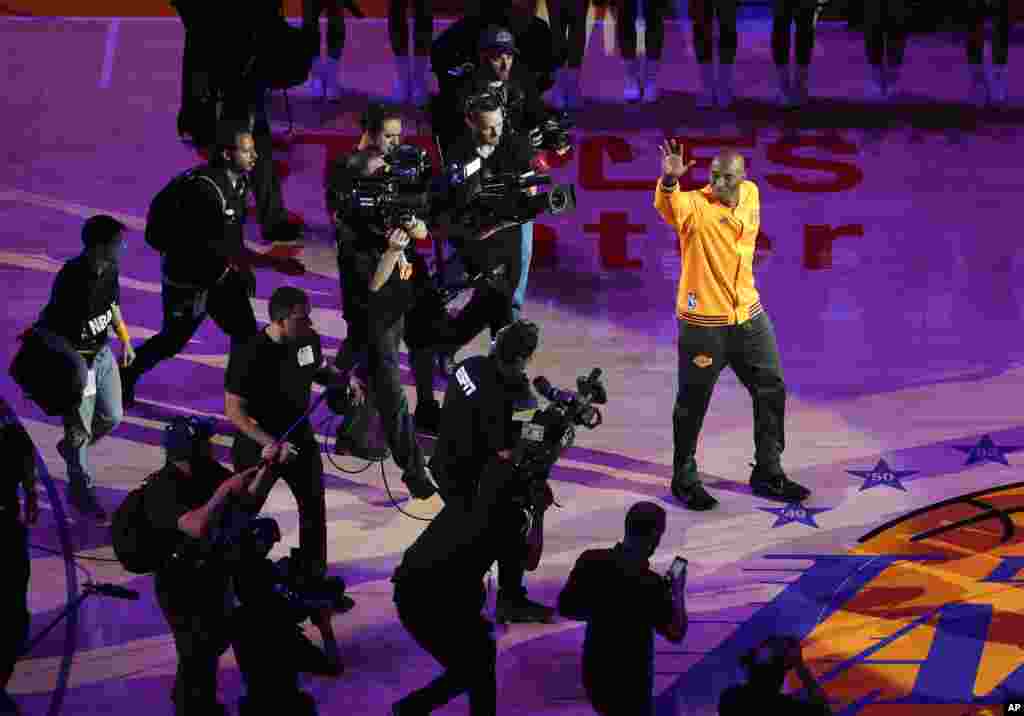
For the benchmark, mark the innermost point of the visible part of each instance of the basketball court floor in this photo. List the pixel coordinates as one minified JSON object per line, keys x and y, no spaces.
{"x":891,"y":267}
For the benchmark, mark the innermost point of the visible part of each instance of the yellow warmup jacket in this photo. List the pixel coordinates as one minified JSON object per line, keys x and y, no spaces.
{"x":716,"y":245}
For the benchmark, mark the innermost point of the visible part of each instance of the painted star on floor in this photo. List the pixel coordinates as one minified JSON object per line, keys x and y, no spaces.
{"x":987,"y":451}
{"x":795,"y":512}
{"x":882,"y":474}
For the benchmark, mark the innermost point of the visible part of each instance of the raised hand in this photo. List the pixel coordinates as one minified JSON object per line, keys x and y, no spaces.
{"x":672,"y":164}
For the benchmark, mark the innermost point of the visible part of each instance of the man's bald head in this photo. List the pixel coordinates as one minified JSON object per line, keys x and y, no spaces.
{"x":730,"y":159}
{"x":728,"y":170}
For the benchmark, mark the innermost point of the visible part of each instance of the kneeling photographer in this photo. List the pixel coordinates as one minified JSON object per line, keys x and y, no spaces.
{"x":187,"y":503}
{"x":494,"y":481}
{"x":375,"y":205}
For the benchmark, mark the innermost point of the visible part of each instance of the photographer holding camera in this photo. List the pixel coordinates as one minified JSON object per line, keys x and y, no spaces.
{"x":623,"y":602}
{"x":384,"y":283}
{"x":476,"y":429}
{"x":515,"y":87}
{"x":17,"y":448}
{"x":493,"y":250}
{"x":483,"y":520}
{"x":197,"y":223}
{"x":193,"y":501}
{"x":84,"y":305}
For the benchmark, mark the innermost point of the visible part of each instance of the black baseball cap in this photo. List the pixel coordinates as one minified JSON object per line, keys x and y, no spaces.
{"x":498,"y":38}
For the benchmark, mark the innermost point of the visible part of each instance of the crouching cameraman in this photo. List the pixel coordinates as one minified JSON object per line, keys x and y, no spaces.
{"x":187,"y":501}
{"x":476,"y":429}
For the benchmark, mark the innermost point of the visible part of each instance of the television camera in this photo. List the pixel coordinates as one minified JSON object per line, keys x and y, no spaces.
{"x":549,"y":432}
{"x":390,"y":198}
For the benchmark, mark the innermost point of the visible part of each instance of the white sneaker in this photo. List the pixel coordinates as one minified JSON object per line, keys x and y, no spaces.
{"x":874,"y":90}
{"x":784,"y":96}
{"x":978,"y":95}
{"x":327,"y":70}
{"x":418,"y":79}
{"x":573,"y":98}
{"x":651,"y":93}
{"x":400,"y":89}
{"x":998,"y":91}
{"x":801,"y":79}
{"x":723,"y":94}
{"x":633,"y":73}
{"x":558,"y":91}
{"x":893,"y":88}
{"x":706,"y":97}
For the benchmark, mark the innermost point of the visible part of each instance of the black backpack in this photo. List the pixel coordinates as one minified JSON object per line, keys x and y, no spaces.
{"x":139,"y":546}
{"x":168,"y":211}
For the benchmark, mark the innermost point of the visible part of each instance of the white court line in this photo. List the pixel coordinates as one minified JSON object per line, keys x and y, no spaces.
{"x":108,"y":53}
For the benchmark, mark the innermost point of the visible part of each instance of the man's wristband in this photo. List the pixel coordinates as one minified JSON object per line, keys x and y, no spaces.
{"x":669,"y":182}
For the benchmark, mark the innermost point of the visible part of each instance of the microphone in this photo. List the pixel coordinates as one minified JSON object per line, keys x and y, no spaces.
{"x":112,"y":590}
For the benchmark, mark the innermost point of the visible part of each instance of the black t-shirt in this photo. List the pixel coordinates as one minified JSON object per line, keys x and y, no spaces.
{"x":172,"y":494}
{"x":512,"y":156}
{"x":476,"y":422}
{"x":275,"y":379}
{"x":458,"y":547}
{"x":623,"y":601}
{"x":746,"y":699}
{"x":216,"y":230}
{"x":19,"y":456}
{"x":81,"y":304}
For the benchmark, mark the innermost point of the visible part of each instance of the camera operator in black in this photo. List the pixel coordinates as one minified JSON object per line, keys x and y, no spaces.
{"x":190,"y":497}
{"x":476,"y":526}
{"x":210,"y":270}
{"x":494,"y":248}
{"x":384,"y":285}
{"x":476,"y":426}
{"x":623,"y":602}
{"x":227,"y":52}
{"x":84,"y":305}
{"x":18,"y":450}
{"x":457,"y":45}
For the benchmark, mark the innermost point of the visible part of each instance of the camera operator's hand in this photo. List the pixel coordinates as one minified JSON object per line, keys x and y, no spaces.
{"x":398,"y":240}
{"x":672,"y":164}
{"x":282,"y":452}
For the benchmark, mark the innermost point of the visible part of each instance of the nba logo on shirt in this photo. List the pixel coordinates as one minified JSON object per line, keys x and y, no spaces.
{"x":691,"y":300}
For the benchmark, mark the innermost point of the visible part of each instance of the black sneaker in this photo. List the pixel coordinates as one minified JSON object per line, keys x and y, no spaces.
{"x":522,"y":611}
{"x":428,"y":417}
{"x":420,"y":483}
{"x":693,"y":495}
{"x":344,"y":444}
{"x":774,"y":485}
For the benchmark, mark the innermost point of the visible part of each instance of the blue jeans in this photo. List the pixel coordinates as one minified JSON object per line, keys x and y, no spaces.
{"x":526,"y":234}
{"x":96,"y":416}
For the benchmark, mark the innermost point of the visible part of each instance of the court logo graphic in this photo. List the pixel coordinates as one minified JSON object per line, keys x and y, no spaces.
{"x":987,"y":451}
{"x":691,"y":301}
{"x":922,"y":616}
{"x":795,"y":512}
{"x":882,"y":475}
